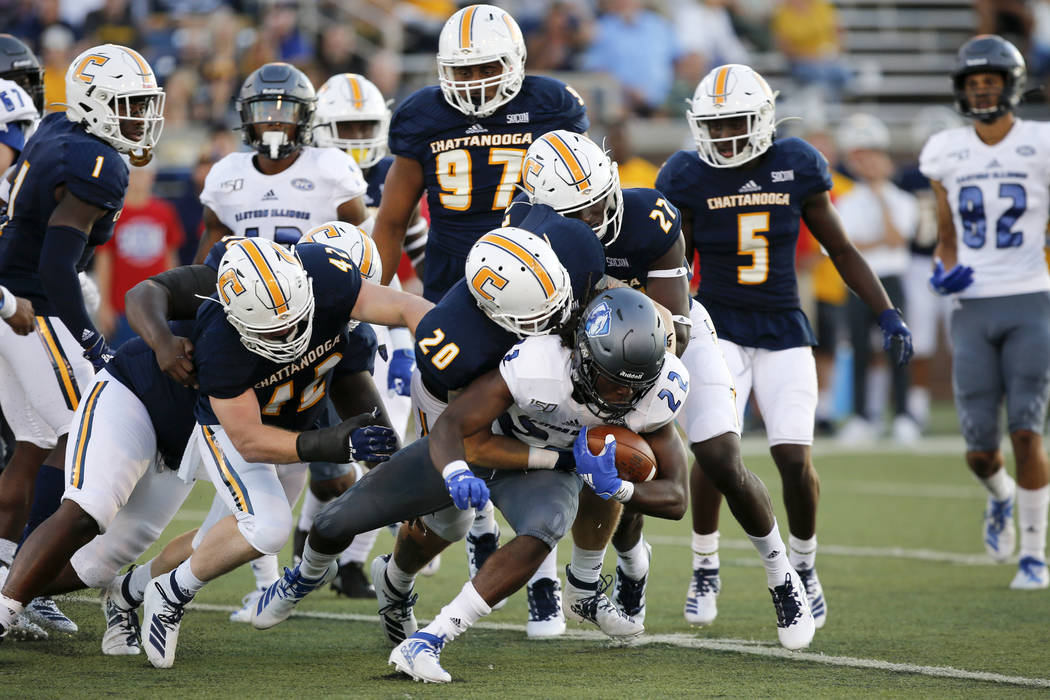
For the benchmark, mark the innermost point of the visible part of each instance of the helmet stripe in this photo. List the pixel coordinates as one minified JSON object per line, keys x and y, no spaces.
{"x":526,"y":258}
{"x":266,"y":274}
{"x":466,"y":26}
{"x":355,"y":92}
{"x":564,"y":150}
{"x":721,"y":84}
{"x":144,"y":70}
{"x":366,"y":257}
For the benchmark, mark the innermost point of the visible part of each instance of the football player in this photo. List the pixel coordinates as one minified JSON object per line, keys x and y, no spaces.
{"x":282,"y":187}
{"x":67,"y":189}
{"x":990,"y":182}
{"x":741,"y":195}
{"x":462,"y":142}
{"x":21,"y":98}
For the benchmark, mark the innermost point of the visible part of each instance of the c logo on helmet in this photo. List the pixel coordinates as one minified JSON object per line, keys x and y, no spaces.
{"x":92,"y":60}
{"x":229,"y":279}
{"x":485,"y":276}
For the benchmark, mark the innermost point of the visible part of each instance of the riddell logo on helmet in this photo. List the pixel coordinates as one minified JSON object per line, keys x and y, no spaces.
{"x":630,"y":375}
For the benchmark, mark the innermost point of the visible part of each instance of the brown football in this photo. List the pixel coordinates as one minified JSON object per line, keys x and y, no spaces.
{"x":635,"y":460}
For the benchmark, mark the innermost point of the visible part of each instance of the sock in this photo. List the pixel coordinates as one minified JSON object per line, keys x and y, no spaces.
{"x":586,"y":565}
{"x":825,"y":404}
{"x":134,"y":586}
{"x":10,"y":609}
{"x":401,"y":581}
{"x":314,"y":564}
{"x":1000,"y":485}
{"x":50,"y":485}
{"x":548,"y":568}
{"x":484,"y":521}
{"x":7,"y":551}
{"x":774,"y":556}
{"x":919,"y":404}
{"x":456,"y":617}
{"x":802,"y":553}
{"x":1032,"y":505}
{"x":635,"y":561}
{"x":705,"y":551}
{"x":311,"y":506}
{"x":265,"y":570}
{"x":182,"y":583}
{"x":360,"y":548}
{"x":878,"y":392}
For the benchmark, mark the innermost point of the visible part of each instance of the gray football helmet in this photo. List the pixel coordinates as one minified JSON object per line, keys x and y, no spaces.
{"x":276,"y":93}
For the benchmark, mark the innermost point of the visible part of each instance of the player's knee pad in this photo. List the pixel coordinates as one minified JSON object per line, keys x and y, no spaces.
{"x":547,"y":522}
{"x":266,"y":535}
{"x":451,"y":524}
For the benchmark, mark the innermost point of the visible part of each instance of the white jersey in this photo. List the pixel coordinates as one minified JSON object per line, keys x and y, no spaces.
{"x":284,"y":206}
{"x":15,"y":106}
{"x":1000,"y":201}
{"x":544,"y":414}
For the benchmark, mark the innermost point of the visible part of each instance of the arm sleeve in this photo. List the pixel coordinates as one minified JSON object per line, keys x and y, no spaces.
{"x":63,"y":246}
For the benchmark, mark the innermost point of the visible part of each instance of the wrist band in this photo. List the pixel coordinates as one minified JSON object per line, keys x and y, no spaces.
{"x":673,"y":272}
{"x":541,"y":458}
{"x":683,"y":320}
{"x":453,"y":467}
{"x":625,"y":492}
{"x":7,"y":309}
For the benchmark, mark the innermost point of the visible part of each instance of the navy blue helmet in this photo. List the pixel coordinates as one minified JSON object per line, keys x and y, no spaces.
{"x":989,"y":53}
{"x":276,"y":93}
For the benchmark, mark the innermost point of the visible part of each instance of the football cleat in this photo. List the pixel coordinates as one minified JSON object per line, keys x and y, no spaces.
{"x":122,"y":635}
{"x":395,"y":607}
{"x":277,"y":602}
{"x":795,"y":625}
{"x":432,"y":566}
{"x":479,"y":549}
{"x":815,"y":596}
{"x":22,"y":630}
{"x":44,"y":612}
{"x":352,"y":582}
{"x":419,"y":656}
{"x":248,"y":603}
{"x":587,"y":602}
{"x":162,"y":616}
{"x":1000,"y":535}
{"x":701,"y":602}
{"x":1032,"y":575}
{"x":629,"y":593}
{"x":545,"y":613}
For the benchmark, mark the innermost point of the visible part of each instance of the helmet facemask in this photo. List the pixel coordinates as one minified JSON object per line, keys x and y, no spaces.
{"x":471,"y":96}
{"x":290,"y":114}
{"x":752,"y":142}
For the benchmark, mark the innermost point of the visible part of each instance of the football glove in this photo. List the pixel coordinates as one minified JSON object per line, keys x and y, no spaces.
{"x":597,"y":470}
{"x":955,"y":280}
{"x":896,"y":338}
{"x":399,"y":372}
{"x":467,"y":490}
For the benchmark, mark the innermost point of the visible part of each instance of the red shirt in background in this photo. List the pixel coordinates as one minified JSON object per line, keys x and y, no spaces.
{"x":141,"y":238}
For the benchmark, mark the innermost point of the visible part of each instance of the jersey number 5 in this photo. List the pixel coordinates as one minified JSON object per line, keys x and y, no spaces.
{"x":455,"y":174}
{"x":749,"y":226}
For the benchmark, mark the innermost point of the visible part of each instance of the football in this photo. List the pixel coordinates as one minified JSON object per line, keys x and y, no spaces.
{"x":635,"y":460}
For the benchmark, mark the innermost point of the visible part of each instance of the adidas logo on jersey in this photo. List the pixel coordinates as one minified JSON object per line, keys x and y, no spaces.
{"x":750,"y":186}
{"x":993,"y":164}
{"x":269,"y":196}
{"x":476,"y":129}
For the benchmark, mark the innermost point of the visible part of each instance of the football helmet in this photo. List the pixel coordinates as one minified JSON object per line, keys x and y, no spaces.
{"x":276,"y":93}
{"x":352,"y":241}
{"x":480,"y":34}
{"x":19,"y":65}
{"x":620,"y":337}
{"x":518,"y":281}
{"x":110,"y":84}
{"x":732,"y":90}
{"x":861,"y":131}
{"x":268,"y":298}
{"x":989,"y":52}
{"x":571,"y":174}
{"x":349,"y":97}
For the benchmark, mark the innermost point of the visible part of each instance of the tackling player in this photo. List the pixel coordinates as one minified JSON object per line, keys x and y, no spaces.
{"x":21,"y":98}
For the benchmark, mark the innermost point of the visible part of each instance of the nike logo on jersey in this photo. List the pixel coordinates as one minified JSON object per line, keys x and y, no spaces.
{"x":750,"y":186}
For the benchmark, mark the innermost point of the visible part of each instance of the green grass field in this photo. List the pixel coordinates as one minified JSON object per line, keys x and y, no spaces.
{"x":914,"y":610}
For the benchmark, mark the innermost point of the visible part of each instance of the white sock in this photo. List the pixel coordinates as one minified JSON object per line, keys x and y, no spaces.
{"x":10,"y":609}
{"x":265,"y":570}
{"x":1032,"y":506}
{"x":919,"y":404}
{"x":139,"y":579}
{"x":311,"y":507}
{"x":360,"y":548}
{"x":1000,"y":484}
{"x":825,"y":404}
{"x":7,"y":551}
{"x":586,"y":564}
{"x":878,"y":393}
{"x":635,"y":561}
{"x":314,"y":564}
{"x":802,"y":553}
{"x":183,"y":582}
{"x":773,"y":553}
{"x":400,"y":580}
{"x":484,"y":521}
{"x":705,"y":551}
{"x":548,"y":567}
{"x":456,"y":617}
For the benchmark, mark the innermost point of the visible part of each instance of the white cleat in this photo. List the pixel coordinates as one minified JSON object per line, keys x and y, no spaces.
{"x":162,"y":617}
{"x":815,"y":596}
{"x":588,"y":603}
{"x":1000,"y":535}
{"x":545,"y":614}
{"x":1032,"y":575}
{"x":701,"y":602}
{"x":248,"y":603}
{"x":44,"y":612}
{"x":277,"y":602}
{"x":431,"y":568}
{"x":419,"y":656}
{"x":795,"y":626}
{"x":121,"y":637}
{"x":23,"y":630}
{"x":629,"y":593}
{"x":395,"y":607}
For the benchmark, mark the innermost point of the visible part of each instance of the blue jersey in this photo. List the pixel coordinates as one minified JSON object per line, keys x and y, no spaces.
{"x":374,"y":178}
{"x":456,"y":322}
{"x":289,"y":394}
{"x":59,"y":153}
{"x":745,"y":228}
{"x":472,"y":167}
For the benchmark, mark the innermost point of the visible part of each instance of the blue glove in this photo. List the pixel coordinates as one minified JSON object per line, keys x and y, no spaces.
{"x":597,"y":471}
{"x":372,"y":443}
{"x":896,"y":338}
{"x":98,"y":353}
{"x":955,"y":280}
{"x":467,"y":490}
{"x":399,"y":372}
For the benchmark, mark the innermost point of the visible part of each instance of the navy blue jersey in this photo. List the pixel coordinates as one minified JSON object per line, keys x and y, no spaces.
{"x":169,"y":404}
{"x":471,"y":167}
{"x":375,"y":177}
{"x":59,"y":153}
{"x":289,"y":394}
{"x":745,"y":228}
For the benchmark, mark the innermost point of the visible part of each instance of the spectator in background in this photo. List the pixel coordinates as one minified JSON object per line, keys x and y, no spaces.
{"x":280,"y":26}
{"x":112,"y":23}
{"x":880,"y":219}
{"x":337,"y":52}
{"x":563,"y":32}
{"x":56,"y":53}
{"x":807,"y":32}
{"x":638,"y":47}
{"x":1012,"y":19}
{"x":705,"y":28}
{"x":1039,"y":55}
{"x":144,"y":243}
{"x":634,"y":170}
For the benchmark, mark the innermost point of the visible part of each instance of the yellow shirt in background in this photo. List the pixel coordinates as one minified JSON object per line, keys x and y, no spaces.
{"x":637,"y":172}
{"x":807,"y":33}
{"x":828,"y":287}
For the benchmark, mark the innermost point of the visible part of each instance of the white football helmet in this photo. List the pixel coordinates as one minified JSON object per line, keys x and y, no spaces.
{"x":349,"y":97}
{"x":480,"y":34}
{"x":861,"y":131}
{"x":572,"y":174}
{"x":518,"y":281}
{"x":732,"y":90}
{"x":355,"y":243}
{"x":110,"y":84}
{"x":268,"y":298}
